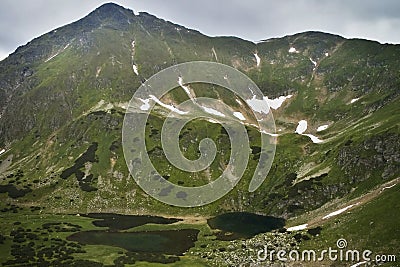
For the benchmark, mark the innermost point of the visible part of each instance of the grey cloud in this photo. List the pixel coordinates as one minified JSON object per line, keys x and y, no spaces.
{"x":22,"y":20}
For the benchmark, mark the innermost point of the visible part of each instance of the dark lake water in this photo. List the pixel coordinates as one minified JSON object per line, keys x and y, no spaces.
{"x":237,"y":225}
{"x":124,"y":222}
{"x":171,"y":242}
{"x":161,"y":246}
{"x":154,"y":245}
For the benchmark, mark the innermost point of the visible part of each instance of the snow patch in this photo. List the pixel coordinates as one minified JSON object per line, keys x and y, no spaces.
{"x":135,"y":70}
{"x":134,"y":66}
{"x":239,"y":115}
{"x":260,"y":106}
{"x":146,"y":105}
{"x":270,"y":134}
{"x":358,"y":264}
{"x":293,"y":50}
{"x":170,"y":107}
{"x":213,"y":111}
{"x":186,"y":88}
{"x":213,"y":121}
{"x":301,"y":127}
{"x":50,"y":58}
{"x":53,"y":56}
{"x":322,"y":128}
{"x":258,"y":59}
{"x":354,"y":100}
{"x":214,"y":53}
{"x":313,"y":138}
{"x":277,"y":102}
{"x":251,"y":90}
{"x":338,"y":211}
{"x":297,"y":228}
{"x":313,"y":62}
{"x":98,"y":70}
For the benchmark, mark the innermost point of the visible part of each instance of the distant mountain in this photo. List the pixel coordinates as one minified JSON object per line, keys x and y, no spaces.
{"x":63,"y":97}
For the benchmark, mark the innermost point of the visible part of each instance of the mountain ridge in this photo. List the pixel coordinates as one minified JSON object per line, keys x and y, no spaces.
{"x":107,"y":10}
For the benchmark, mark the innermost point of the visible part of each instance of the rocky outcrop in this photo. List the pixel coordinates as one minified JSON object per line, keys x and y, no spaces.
{"x":378,"y":154}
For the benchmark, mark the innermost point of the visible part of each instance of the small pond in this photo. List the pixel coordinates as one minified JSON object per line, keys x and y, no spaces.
{"x":150,"y":246}
{"x":170,"y":242}
{"x":237,"y":225}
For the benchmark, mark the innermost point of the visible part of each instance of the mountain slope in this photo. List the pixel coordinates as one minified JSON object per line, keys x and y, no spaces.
{"x":54,"y":85}
{"x":63,"y":97}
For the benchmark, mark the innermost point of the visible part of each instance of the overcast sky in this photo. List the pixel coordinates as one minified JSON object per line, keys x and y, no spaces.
{"x":23,"y":20}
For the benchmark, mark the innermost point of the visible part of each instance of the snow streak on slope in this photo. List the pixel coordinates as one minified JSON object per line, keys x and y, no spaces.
{"x":170,"y":107}
{"x":213,"y":111}
{"x":239,"y":102}
{"x":338,"y":211}
{"x":239,"y":115}
{"x":53,"y":56}
{"x":258,"y":59}
{"x":322,"y":128}
{"x":314,"y":63}
{"x":297,"y":227}
{"x":358,"y":264}
{"x":313,"y":138}
{"x":185,"y":87}
{"x":135,"y":69}
{"x":215,"y":54}
{"x":134,"y":66}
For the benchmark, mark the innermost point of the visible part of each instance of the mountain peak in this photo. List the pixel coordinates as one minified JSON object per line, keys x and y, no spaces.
{"x":109,"y":14}
{"x":109,"y":7}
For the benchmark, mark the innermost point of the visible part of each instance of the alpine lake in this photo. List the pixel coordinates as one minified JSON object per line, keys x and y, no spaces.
{"x":108,"y":239}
